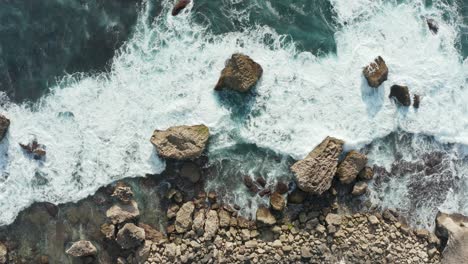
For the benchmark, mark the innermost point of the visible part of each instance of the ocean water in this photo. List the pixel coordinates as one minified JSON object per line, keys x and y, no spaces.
{"x":96,"y":126}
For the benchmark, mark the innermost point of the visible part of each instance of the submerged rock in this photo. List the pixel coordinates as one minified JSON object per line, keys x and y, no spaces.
{"x":4,"y":125}
{"x":179,"y":6}
{"x":376,"y":72}
{"x":265,"y":216}
{"x":401,"y":94}
{"x":130,"y":236}
{"x":241,"y":73}
{"x":416,"y":100}
{"x":349,"y":168}
{"x":314,"y":174}
{"x":453,"y":229}
{"x":277,"y":201}
{"x":191,"y":172}
{"x":184,"y":217}
{"x":297,"y":197}
{"x":121,"y":213}
{"x":433,"y":26}
{"x":82,"y":248}
{"x":181,"y":142}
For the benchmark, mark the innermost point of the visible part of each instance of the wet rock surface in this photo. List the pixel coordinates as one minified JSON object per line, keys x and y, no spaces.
{"x":376,"y":72}
{"x":241,"y":73}
{"x":4,"y":125}
{"x":401,"y":94}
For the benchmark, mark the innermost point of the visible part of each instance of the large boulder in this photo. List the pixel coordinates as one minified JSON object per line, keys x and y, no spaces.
{"x":3,"y":254}
{"x":120,"y":213}
{"x":4,"y":125}
{"x":359,"y":188}
{"x":265,"y":217}
{"x":130,"y":236}
{"x":401,"y":94}
{"x":314,"y":174}
{"x":184,"y":217}
{"x":376,"y":72}
{"x":181,"y":142}
{"x":350,"y":167}
{"x":211,"y":225}
{"x":241,"y":73}
{"x":453,"y":229}
{"x":82,"y":248}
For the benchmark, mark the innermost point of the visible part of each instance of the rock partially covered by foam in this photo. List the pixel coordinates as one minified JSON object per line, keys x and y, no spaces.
{"x":179,"y":6}
{"x":181,"y":142}
{"x":130,"y":236}
{"x":401,"y":94}
{"x":82,"y":248}
{"x":453,"y":228}
{"x":314,"y":174}
{"x":376,"y":73}
{"x":433,"y":26}
{"x":350,"y":167}
{"x":241,"y":73}
{"x":4,"y":125}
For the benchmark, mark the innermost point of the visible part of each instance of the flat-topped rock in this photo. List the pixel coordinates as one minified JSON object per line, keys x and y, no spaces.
{"x":130,"y":236}
{"x":184,"y":217}
{"x":314,"y":174}
{"x":181,"y":142}
{"x":121,"y":213}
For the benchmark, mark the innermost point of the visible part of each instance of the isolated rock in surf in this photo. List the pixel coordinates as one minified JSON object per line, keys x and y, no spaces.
{"x":179,"y":6}
{"x":35,"y":149}
{"x":181,"y":142}
{"x":350,"y":167}
{"x":416,"y":101}
{"x":376,"y":72}
{"x":314,"y":174}
{"x":453,"y":228}
{"x":82,"y":248}
{"x":241,"y":73}
{"x":4,"y":125}
{"x":433,"y":26}
{"x":401,"y":94}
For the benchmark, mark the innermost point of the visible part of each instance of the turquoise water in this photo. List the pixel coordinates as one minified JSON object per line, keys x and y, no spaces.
{"x":96,"y":121}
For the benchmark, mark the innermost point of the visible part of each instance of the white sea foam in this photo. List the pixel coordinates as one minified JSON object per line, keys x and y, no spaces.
{"x":165,"y":76}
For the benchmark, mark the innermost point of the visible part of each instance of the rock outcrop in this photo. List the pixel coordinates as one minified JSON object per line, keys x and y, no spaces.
{"x":4,"y":125}
{"x":350,"y":167}
{"x":241,"y":73}
{"x":181,"y":142}
{"x":433,"y":26}
{"x":121,"y":213}
{"x":179,"y":6}
{"x":184,"y":217}
{"x":401,"y":94}
{"x":453,"y":229}
{"x":82,"y":248}
{"x":130,"y":236}
{"x":376,"y":72}
{"x":314,"y":174}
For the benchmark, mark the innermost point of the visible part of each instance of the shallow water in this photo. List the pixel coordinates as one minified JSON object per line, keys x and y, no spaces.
{"x":96,"y":127}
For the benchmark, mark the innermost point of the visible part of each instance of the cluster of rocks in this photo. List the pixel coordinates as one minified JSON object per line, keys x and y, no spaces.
{"x":377,"y":72}
{"x":207,"y":232}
